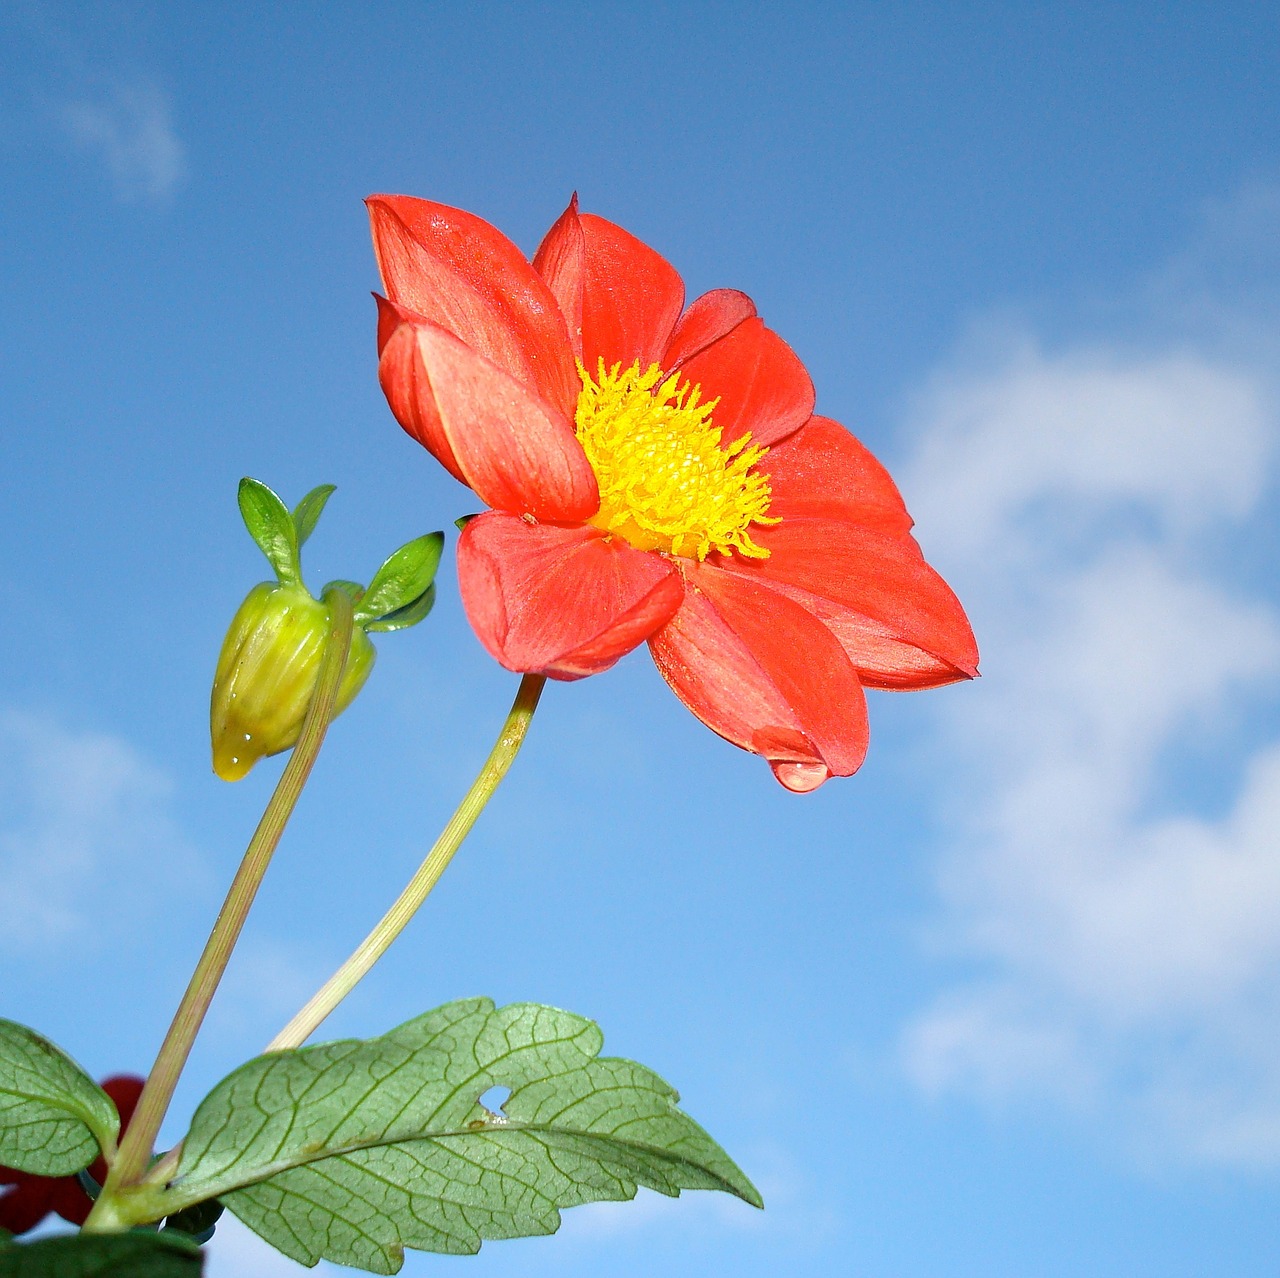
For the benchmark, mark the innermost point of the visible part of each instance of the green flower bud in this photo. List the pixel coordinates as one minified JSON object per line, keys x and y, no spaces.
{"x":270,"y":660}
{"x":267,"y":673}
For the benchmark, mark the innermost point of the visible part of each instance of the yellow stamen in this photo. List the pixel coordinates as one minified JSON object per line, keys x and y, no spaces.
{"x":666,"y":482}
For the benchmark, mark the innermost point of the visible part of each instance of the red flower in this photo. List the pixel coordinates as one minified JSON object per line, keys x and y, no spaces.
{"x":655,"y":473}
{"x":31,"y":1198}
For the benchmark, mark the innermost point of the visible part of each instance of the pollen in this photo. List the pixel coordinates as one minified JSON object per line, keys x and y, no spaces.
{"x":667,"y":482}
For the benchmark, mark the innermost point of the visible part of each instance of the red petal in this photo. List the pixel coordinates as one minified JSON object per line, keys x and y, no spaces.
{"x":452,"y":267}
{"x":823,"y":471}
{"x":69,"y":1199}
{"x":567,"y":602}
{"x":899,"y":622}
{"x":29,"y":1201}
{"x":516,"y":451}
{"x":759,"y":380}
{"x":765,"y":674}
{"x":126,"y":1091}
{"x":624,"y":297}
{"x":708,"y":319}
{"x":559,"y":261}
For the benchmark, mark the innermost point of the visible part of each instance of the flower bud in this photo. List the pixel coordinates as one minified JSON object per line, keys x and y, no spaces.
{"x":270,"y":661}
{"x":267,"y":673}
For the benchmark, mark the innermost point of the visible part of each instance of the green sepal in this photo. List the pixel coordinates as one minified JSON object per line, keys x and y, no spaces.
{"x":409,"y":615}
{"x":307,"y":512}
{"x":352,"y":589}
{"x":352,"y":1151}
{"x":271,"y":525}
{"x":463,"y":520}
{"x":54,"y":1119}
{"x":404,"y":578}
{"x":131,"y":1255}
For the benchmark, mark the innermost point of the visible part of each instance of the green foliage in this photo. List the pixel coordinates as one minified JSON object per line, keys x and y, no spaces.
{"x":409,"y":615}
{"x":272,"y":526}
{"x":134,"y":1255}
{"x":401,"y":593}
{"x":307,"y":512}
{"x":53,"y":1116}
{"x":352,"y":1151}
{"x":402,"y":580}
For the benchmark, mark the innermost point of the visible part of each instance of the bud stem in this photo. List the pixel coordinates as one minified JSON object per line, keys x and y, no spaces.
{"x":372,"y":948}
{"x":135,"y":1148}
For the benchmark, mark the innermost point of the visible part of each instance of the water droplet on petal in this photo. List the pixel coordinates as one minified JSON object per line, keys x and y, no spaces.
{"x":800,"y":778}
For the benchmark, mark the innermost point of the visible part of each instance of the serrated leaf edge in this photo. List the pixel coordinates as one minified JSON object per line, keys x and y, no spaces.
{"x":182,"y":1192}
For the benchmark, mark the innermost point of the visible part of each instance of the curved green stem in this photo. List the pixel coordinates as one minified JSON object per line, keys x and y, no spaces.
{"x":372,"y":948}
{"x":135,"y":1149}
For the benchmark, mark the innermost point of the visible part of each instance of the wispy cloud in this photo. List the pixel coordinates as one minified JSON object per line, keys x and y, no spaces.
{"x":1123,"y":939}
{"x":87,"y":843}
{"x":128,"y":128}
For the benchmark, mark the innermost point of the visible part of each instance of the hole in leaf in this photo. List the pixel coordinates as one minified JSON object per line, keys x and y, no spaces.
{"x":495,"y":1098}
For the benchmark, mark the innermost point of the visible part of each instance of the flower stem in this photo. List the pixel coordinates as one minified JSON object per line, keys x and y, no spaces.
{"x":135,"y":1148}
{"x":372,"y":948}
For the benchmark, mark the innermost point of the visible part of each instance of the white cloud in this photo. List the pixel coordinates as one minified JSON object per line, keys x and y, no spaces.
{"x":1180,"y":437}
{"x":1122,"y":936}
{"x":129,"y":128}
{"x":87,"y":843}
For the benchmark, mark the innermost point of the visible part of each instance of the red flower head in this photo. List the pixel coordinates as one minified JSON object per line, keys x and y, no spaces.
{"x":655,"y":473}
{"x":31,"y":1198}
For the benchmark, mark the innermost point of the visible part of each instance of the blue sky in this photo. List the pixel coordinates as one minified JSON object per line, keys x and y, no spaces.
{"x":1004,"y":1003}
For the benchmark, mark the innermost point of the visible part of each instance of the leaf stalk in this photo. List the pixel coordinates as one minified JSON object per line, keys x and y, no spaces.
{"x":419,"y":887}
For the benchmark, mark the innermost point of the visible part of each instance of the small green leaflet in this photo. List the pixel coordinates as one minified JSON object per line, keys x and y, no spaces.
{"x":306,"y":513}
{"x":133,"y":1255}
{"x":53,"y":1116}
{"x":271,"y":525}
{"x":352,"y":1151}
{"x":407,"y":616}
{"x":403,"y":579}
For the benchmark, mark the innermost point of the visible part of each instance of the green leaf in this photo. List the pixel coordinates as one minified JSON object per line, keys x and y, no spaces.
{"x":352,"y":1151}
{"x":404,"y":578}
{"x":53,"y":1116}
{"x":307,"y":512}
{"x":271,"y":525}
{"x":133,"y":1255}
{"x":407,"y":616}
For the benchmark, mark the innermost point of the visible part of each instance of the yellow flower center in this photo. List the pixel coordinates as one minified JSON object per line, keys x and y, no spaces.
{"x":666,"y":481}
